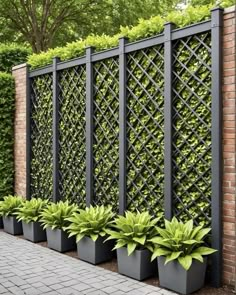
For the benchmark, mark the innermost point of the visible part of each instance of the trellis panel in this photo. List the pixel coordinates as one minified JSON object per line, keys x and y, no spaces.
{"x":106,"y":132}
{"x":41,"y":137}
{"x":145,"y":130}
{"x":72,"y":150}
{"x":192,"y":128}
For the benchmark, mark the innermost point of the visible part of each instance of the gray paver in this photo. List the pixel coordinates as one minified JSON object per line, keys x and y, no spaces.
{"x":28,"y":268}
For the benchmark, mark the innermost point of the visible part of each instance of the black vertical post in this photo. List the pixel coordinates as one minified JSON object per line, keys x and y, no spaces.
{"x":216,"y":137}
{"x":28,"y":133}
{"x":168,"y":120}
{"x":122,"y":125}
{"x":89,"y":127}
{"x":55,"y":131}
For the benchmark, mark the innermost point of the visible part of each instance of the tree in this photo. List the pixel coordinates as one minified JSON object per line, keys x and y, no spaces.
{"x":39,"y":21}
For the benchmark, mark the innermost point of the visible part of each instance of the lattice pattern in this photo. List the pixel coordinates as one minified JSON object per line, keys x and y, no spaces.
{"x":192,"y":128}
{"x":145,"y":128}
{"x":106,"y":133}
{"x":72,"y":85}
{"x":41,"y":137}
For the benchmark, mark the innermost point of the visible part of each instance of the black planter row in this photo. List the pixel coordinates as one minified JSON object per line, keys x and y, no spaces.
{"x":137,"y":265}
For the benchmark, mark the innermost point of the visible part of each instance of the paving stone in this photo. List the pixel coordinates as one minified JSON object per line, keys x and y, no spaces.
{"x":30,"y":269}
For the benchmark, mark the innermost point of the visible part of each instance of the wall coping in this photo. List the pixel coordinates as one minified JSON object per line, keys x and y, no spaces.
{"x":19,"y":67}
{"x":230,"y":9}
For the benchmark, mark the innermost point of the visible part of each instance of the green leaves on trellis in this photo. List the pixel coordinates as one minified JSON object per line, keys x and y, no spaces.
{"x":7,"y":133}
{"x":41,"y":137}
{"x":72,"y":84}
{"x":145,"y":131}
{"x":106,"y":132}
{"x":145,"y":127}
{"x":192,"y":128}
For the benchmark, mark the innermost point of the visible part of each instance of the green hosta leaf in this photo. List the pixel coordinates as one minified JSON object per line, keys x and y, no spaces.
{"x":173,"y":256}
{"x":94,"y":237}
{"x":119,"y":244}
{"x":185,"y":261}
{"x":202,"y":233}
{"x":159,"y":252}
{"x":131,"y":247}
{"x":204,"y":251}
{"x":140,"y":240}
{"x":78,"y":237}
{"x":197,"y":256}
{"x":191,"y":242}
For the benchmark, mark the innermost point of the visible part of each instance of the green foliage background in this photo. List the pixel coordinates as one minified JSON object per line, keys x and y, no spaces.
{"x":12,"y":55}
{"x":6,"y":134}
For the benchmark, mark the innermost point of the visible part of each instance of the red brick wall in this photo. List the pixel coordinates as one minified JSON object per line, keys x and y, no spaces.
{"x":19,"y":72}
{"x":229,"y":147}
{"x":229,"y":150}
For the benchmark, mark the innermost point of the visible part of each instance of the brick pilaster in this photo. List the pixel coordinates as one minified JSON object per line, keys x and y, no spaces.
{"x":19,"y":73}
{"x":229,"y":131}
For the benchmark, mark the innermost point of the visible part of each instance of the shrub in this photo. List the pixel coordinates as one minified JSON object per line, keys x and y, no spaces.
{"x":12,"y":55}
{"x":55,"y":215}
{"x":31,"y":210}
{"x":10,"y":205}
{"x":6,"y":134}
{"x":91,"y":222}
{"x":134,"y":230}
{"x":144,"y":29}
{"x":182,"y":242}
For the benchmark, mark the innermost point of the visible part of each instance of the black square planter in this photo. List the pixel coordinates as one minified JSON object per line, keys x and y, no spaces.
{"x":138,"y":265}
{"x":174,"y":277}
{"x":1,"y":222}
{"x":12,"y":226}
{"x":34,"y":232}
{"x":58,"y":240}
{"x":95,"y":252}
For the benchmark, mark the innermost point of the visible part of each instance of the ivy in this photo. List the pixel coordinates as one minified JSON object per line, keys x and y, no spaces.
{"x":7,"y":134}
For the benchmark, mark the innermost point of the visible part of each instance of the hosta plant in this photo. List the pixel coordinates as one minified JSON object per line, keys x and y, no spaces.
{"x":10,"y":205}
{"x":55,"y":215}
{"x":91,"y":222}
{"x":31,"y":210}
{"x":134,"y":231}
{"x":182,"y":242}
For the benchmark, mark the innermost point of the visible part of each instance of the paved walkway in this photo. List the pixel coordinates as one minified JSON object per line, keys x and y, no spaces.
{"x":27,"y":268}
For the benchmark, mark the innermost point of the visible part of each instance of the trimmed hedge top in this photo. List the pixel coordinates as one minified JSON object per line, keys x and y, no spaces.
{"x":12,"y":55}
{"x":144,"y":29}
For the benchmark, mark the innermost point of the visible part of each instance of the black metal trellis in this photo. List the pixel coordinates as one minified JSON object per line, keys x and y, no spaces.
{"x":118,"y":127}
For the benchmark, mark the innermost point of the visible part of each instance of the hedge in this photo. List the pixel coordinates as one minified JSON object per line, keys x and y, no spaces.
{"x":6,"y":133}
{"x":11,"y":55}
{"x":144,"y":29}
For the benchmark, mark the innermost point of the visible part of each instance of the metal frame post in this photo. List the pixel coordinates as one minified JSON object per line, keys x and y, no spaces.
{"x":168,"y":56}
{"x":56,"y":196}
{"x":122,"y":125}
{"x":28,"y":134}
{"x":89,"y":127}
{"x":216,"y":134}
